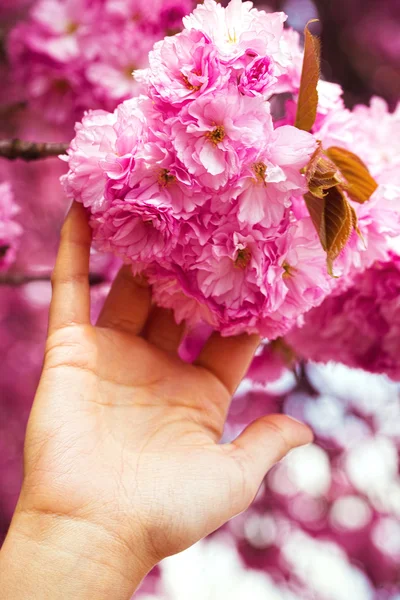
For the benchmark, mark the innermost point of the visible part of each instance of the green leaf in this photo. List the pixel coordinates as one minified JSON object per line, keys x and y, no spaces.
{"x":333,"y":218}
{"x":308,"y":94}
{"x":360,"y":185}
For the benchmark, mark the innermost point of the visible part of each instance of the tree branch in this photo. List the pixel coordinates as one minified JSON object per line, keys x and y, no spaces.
{"x":19,"y":279}
{"x":13,"y":149}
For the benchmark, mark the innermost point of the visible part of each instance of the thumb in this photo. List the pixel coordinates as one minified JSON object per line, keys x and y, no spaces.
{"x":261,"y":445}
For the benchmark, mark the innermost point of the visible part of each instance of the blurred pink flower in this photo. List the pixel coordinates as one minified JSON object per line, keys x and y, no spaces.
{"x":10,"y":230}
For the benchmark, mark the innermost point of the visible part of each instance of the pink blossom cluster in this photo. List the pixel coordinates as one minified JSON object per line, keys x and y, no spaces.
{"x":193,"y":184}
{"x":196,"y":184}
{"x":359,"y":327}
{"x":10,"y":230}
{"x":71,"y":55}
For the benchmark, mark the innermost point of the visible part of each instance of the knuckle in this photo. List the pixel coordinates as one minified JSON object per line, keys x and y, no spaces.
{"x":119,"y":323}
{"x":77,"y":278}
{"x":278,"y":432}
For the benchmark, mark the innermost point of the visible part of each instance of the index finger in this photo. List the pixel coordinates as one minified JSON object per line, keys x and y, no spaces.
{"x":229,"y":358}
{"x":70,"y":303}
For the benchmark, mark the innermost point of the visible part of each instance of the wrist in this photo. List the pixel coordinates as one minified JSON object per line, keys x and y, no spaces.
{"x":50,"y":556}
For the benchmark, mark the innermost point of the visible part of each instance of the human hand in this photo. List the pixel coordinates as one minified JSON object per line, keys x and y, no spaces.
{"x":123,"y":436}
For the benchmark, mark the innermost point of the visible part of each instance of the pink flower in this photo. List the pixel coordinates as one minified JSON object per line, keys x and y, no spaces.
{"x":169,"y":292}
{"x":289,"y":80}
{"x":305,"y":273}
{"x":95,"y":139}
{"x":102,"y":151}
{"x":230,"y":271}
{"x":141,"y":232}
{"x":291,"y":147}
{"x":239,"y":28}
{"x":273,"y":176}
{"x":183,"y":67}
{"x":54,"y":26}
{"x":217,"y":132}
{"x":257,"y":77}
{"x":158,"y":173}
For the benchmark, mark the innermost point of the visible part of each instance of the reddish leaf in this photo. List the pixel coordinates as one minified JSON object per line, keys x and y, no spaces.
{"x":355,"y":224}
{"x":308,"y":94}
{"x":321,"y":174}
{"x":333,"y":218}
{"x":360,"y":184}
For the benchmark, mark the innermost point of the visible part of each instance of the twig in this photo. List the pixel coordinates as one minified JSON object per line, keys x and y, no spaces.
{"x":13,"y":149}
{"x":303,"y":381}
{"x":9,"y":109}
{"x":20,"y":279}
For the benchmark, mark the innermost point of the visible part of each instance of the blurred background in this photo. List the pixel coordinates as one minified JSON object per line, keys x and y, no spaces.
{"x":326,"y":523}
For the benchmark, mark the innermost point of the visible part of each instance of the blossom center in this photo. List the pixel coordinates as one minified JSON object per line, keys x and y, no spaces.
{"x":243,"y":258}
{"x":71,"y":28}
{"x":217,"y":135}
{"x":232,"y":37}
{"x":289,"y":271}
{"x":165,"y":178}
{"x":129,"y":70}
{"x":260,"y":169}
{"x":190,"y":86}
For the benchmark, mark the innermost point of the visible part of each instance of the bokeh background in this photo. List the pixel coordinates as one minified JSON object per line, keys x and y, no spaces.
{"x":326,"y":522}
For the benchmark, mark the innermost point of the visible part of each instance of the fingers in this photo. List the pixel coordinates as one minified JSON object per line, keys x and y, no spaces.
{"x":228,"y":358}
{"x":162,"y":330}
{"x":70,"y":280}
{"x":261,"y":445}
{"x":128,"y":304}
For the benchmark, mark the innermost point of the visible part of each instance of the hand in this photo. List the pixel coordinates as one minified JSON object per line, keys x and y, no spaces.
{"x":123,"y":435}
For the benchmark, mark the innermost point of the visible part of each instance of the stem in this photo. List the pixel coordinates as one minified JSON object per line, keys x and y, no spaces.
{"x":13,"y":149}
{"x":303,"y":381}
{"x":19,"y":279}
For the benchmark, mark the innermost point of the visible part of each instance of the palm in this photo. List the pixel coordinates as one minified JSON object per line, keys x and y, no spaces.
{"x":124,"y":431}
